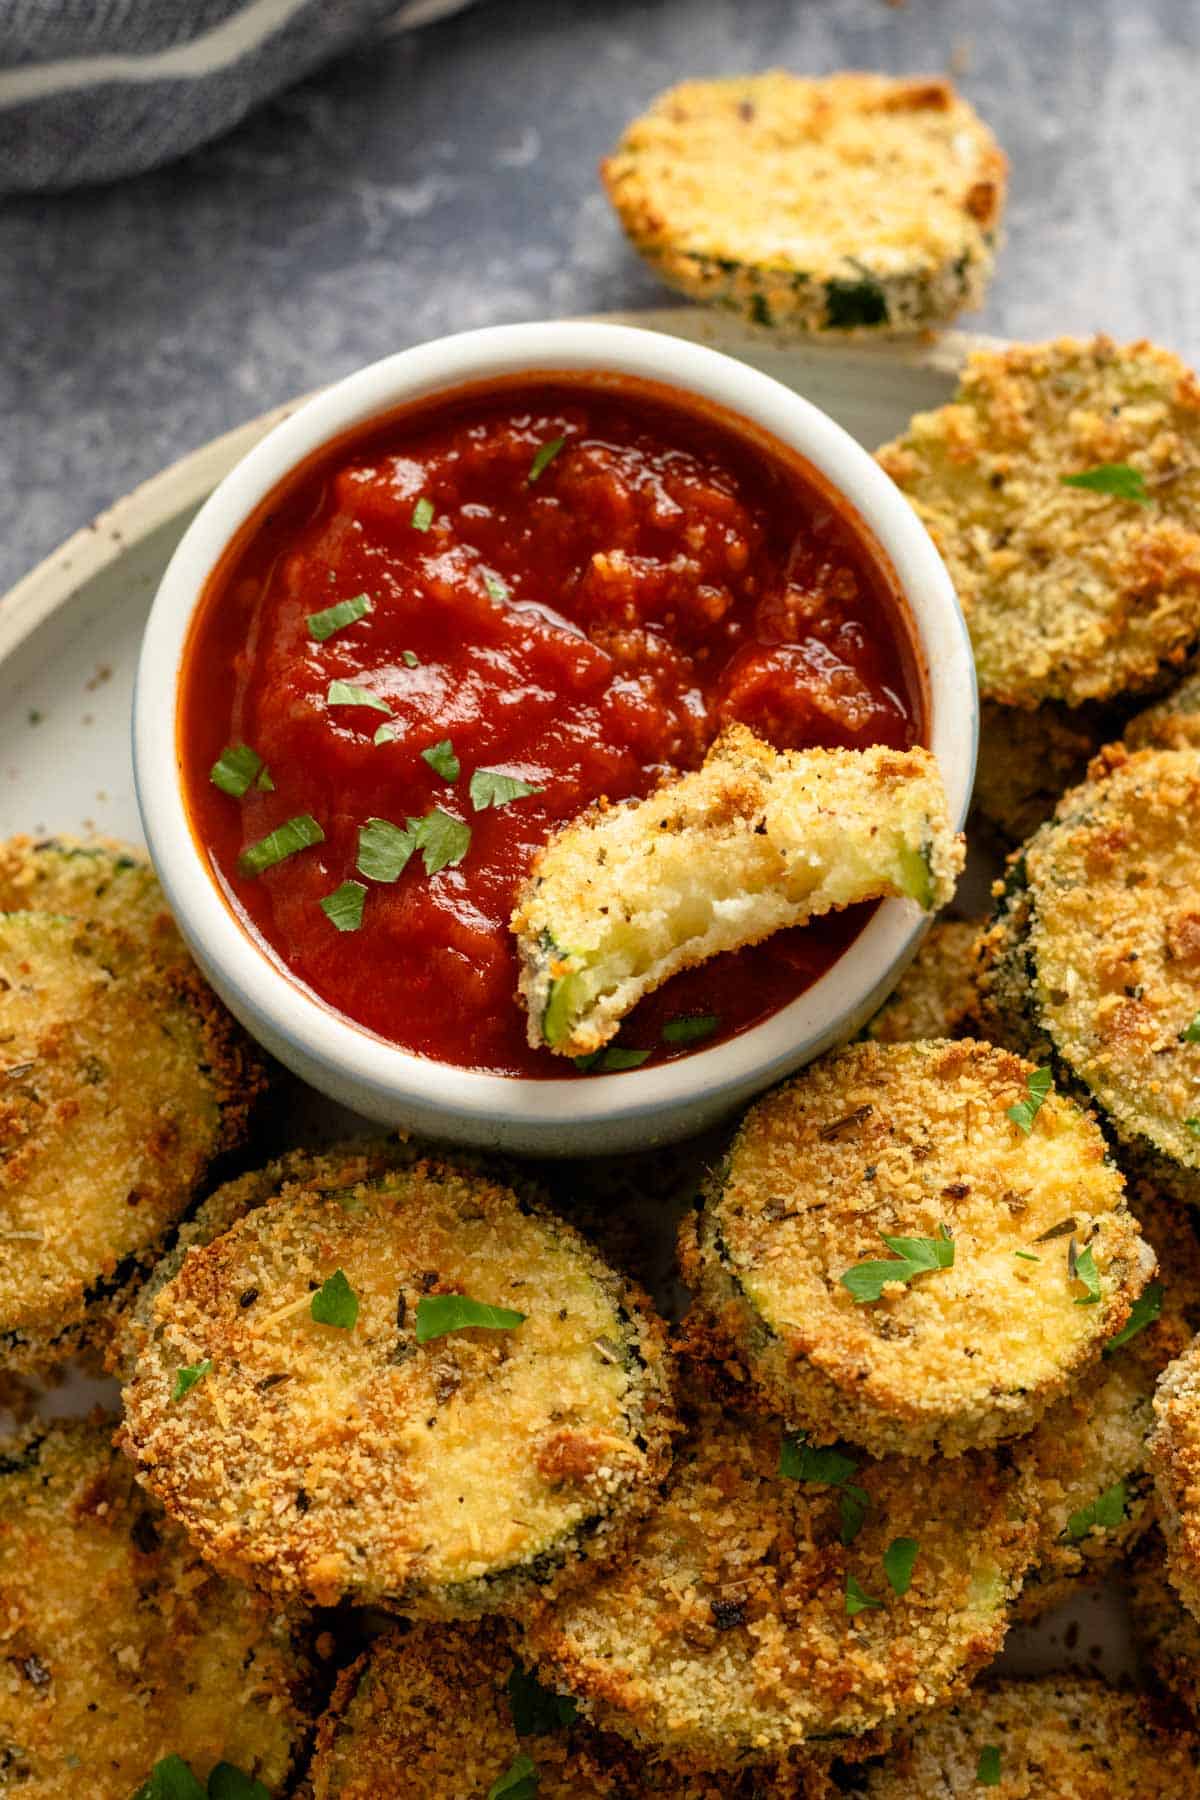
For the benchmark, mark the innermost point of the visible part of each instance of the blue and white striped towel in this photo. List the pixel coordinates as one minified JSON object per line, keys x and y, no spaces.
{"x":93,"y":89}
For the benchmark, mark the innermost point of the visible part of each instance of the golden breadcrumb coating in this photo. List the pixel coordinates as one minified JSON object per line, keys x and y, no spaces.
{"x":935,"y":997}
{"x":723,"y":1633}
{"x":1166,"y":1635}
{"x":1087,"y":1459}
{"x":1173,"y":723}
{"x":1027,"y":761}
{"x":854,"y":203}
{"x":755,"y":841}
{"x":1175,"y":1460}
{"x":1061,"y":1737}
{"x":1070,"y":594}
{"x":120,"y":1647}
{"x":448,"y":1477}
{"x":97,"y":880}
{"x":916,"y":1141}
{"x":435,"y":1714}
{"x":120,"y":1079}
{"x":1094,"y":956}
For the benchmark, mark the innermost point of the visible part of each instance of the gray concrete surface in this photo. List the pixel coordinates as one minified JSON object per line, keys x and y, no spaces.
{"x":447,"y":178}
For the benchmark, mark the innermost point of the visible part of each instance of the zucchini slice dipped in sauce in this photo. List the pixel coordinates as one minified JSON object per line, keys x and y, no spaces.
{"x":422,"y":1390}
{"x":1093,"y":959}
{"x":754,"y":841}
{"x":121,"y":1078}
{"x":915,"y":1246}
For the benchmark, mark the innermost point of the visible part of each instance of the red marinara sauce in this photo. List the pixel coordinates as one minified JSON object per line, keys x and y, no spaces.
{"x":576,"y":581}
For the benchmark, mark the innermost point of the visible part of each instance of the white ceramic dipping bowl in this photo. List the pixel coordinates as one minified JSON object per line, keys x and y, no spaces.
{"x":574,"y":1115}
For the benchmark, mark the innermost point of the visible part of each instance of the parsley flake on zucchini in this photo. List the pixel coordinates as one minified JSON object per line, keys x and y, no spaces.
{"x":440,"y":1314}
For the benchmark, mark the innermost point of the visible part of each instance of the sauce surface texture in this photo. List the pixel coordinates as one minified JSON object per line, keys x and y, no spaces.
{"x":577,"y":585}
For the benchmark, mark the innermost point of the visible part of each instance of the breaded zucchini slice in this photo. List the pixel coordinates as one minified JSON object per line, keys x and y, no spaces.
{"x":96,"y":880}
{"x":1028,"y":760}
{"x":1166,"y":1635}
{"x":1060,"y":1737}
{"x":444,"y":1713}
{"x":1172,"y":723}
{"x":334,"y":1446}
{"x":1071,"y":593}
{"x":1175,"y":1460}
{"x":753,"y":1615}
{"x":859,"y":204}
{"x":1093,"y":959}
{"x":935,"y":996}
{"x":1014,"y":1252}
{"x":755,"y":841}
{"x":120,"y":1646}
{"x":120,"y":1080}
{"x":1087,"y":1460}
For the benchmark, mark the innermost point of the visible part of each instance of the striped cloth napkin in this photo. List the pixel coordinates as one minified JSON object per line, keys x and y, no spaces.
{"x":94,"y":89}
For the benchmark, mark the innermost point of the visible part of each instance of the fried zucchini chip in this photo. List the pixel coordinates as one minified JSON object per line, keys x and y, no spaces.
{"x":1166,"y":1635}
{"x":1028,"y":760}
{"x":1061,"y":1737}
{"x":421,"y":1390}
{"x":859,"y":204}
{"x":120,"y":1080}
{"x":97,"y":880}
{"x":1093,"y":959}
{"x":120,"y":1647}
{"x":452,"y":1712}
{"x":1173,"y":723}
{"x":1062,"y":487}
{"x":756,"y":840}
{"x":1087,"y":1460}
{"x":898,"y":1259}
{"x":1175,"y":1460}
{"x":935,"y":997}
{"x":780,"y":1598}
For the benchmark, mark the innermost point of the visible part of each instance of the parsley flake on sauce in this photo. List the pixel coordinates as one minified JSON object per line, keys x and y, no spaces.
{"x":440,"y":1314}
{"x":492,"y":787}
{"x":442,"y":839}
{"x":496,"y":589}
{"x":442,"y":760}
{"x":899,"y":1560}
{"x":410,"y":659}
{"x":690,"y":1028}
{"x":335,"y":1303}
{"x":1037,"y":1086}
{"x":536,"y":1709}
{"x":383,"y":850}
{"x":422,"y":514}
{"x":611,"y":1060}
{"x":1106,"y":1510}
{"x":856,"y":1600}
{"x":828,"y":1468}
{"x":1191,"y":1033}
{"x":914,"y":1256}
{"x":1145,"y":1309}
{"x":519,"y":1781}
{"x":344,"y":907}
{"x":186,"y":1379}
{"x":1081,"y":1267}
{"x":348,"y":693}
{"x":987,"y":1774}
{"x":300,"y":833}
{"x":387,"y":733}
{"x":236,"y":770}
{"x":543,"y":459}
{"x":322,"y":625}
{"x":1116,"y":479}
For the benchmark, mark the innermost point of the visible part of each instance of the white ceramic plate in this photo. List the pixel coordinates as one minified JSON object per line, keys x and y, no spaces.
{"x":69,"y":637}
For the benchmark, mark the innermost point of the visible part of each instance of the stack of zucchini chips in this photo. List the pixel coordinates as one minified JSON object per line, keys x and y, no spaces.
{"x":412,"y":1491}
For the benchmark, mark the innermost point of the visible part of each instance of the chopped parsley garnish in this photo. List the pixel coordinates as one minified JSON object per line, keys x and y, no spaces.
{"x":492,"y":787}
{"x":1145,"y":1309}
{"x":690,"y":1028}
{"x":535,"y":1709}
{"x":410,"y":659}
{"x":987,"y":1773}
{"x":236,"y":769}
{"x":1081,"y":1267}
{"x":1027,"y":1256}
{"x":829,"y":1468}
{"x":229,"y":1783}
{"x":422,"y":514}
{"x":348,"y":693}
{"x":519,"y":1781}
{"x":439,"y":1314}
{"x":1117,"y":479}
{"x":1191,"y":1033}
{"x":322,"y":625}
{"x":1106,"y":1510}
{"x":186,"y":1379}
{"x":264,"y":782}
{"x":496,"y":589}
{"x":610,"y":1060}
{"x":442,"y":839}
{"x":1037,"y":1086}
{"x":335,"y":1303}
{"x":344,"y":907}
{"x":383,"y":850}
{"x":442,"y":760}
{"x":915,"y":1256}
{"x":899,"y":1560}
{"x":544,"y":458}
{"x":300,"y":833}
{"x":856,"y":1600}
{"x":387,"y":733}
{"x":1192,"y":1125}
{"x":172,"y":1779}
